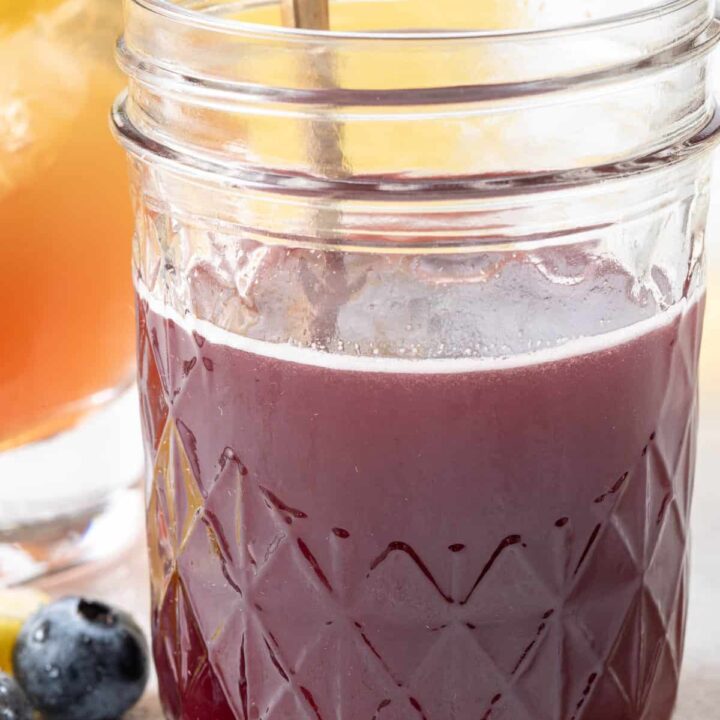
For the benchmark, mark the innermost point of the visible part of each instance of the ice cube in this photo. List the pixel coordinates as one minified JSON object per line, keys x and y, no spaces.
{"x":42,"y":89}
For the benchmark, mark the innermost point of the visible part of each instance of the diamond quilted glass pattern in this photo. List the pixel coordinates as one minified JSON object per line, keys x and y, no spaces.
{"x":279,"y":596}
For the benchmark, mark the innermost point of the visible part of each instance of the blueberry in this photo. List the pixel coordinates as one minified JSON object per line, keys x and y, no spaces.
{"x":81,"y":660}
{"x":13,"y":703}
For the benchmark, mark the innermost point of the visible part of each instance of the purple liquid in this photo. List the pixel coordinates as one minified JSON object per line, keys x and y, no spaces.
{"x":507,"y":543}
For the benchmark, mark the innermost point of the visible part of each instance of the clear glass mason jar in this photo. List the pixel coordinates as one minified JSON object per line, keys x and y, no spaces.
{"x":419,"y":314}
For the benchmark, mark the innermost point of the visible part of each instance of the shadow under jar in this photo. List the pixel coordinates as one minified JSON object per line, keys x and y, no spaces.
{"x":419,"y":316}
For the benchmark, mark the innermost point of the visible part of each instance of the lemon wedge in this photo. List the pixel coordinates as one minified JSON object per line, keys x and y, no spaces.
{"x":16,"y":606}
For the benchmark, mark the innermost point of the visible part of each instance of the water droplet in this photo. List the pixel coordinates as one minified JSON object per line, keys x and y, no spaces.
{"x":53,"y":671}
{"x":42,"y":632}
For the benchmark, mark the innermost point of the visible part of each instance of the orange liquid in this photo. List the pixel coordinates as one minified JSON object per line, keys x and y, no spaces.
{"x":65,"y":288}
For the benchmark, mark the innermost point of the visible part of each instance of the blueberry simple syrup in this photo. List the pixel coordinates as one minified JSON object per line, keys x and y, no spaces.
{"x":504,"y":543}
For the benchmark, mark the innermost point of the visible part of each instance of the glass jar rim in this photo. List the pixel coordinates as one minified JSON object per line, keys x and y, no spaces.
{"x":169,"y":41}
{"x":185,"y":15}
{"x":478,"y":189}
{"x":215,"y":95}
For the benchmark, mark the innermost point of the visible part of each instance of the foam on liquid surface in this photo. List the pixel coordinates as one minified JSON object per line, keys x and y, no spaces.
{"x":366,"y":363}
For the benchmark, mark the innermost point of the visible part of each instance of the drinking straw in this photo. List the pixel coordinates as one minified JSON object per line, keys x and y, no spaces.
{"x":330,"y":290}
